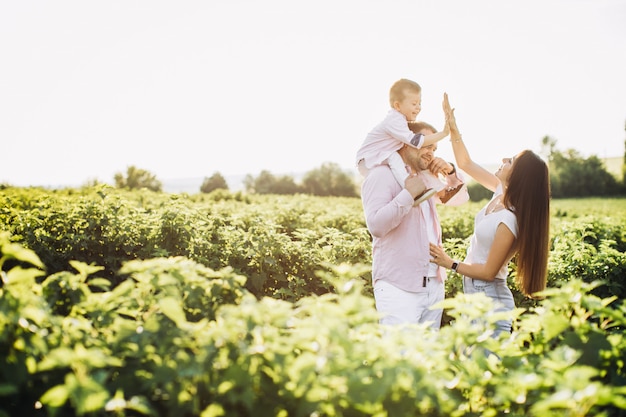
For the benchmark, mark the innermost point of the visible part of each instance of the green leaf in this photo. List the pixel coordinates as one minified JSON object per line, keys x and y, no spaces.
{"x":213,"y":410}
{"x":56,"y":396}
{"x":554,"y":324}
{"x":87,"y":394}
{"x":58,"y":358}
{"x":84,"y":269}
{"x":171,"y":307}
{"x":7,"y":389}
{"x":15,"y":251}
{"x":19,"y":275}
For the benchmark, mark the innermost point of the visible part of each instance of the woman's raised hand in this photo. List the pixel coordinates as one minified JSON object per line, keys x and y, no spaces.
{"x":450,"y":119}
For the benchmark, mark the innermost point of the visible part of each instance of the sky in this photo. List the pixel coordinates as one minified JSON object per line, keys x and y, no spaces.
{"x":189,"y":88}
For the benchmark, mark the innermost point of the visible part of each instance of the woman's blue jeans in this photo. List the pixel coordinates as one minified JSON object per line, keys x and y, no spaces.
{"x":499,"y":292}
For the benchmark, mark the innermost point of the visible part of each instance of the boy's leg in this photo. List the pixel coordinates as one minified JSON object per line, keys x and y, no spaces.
{"x":398,"y":168}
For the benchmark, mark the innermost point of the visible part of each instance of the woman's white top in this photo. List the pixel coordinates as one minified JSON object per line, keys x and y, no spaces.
{"x":485,"y":226}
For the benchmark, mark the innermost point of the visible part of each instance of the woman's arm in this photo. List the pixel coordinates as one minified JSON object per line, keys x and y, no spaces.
{"x":500,"y":253}
{"x":462,"y":156}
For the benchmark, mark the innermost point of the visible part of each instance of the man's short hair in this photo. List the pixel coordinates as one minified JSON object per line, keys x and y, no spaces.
{"x":417,"y":127}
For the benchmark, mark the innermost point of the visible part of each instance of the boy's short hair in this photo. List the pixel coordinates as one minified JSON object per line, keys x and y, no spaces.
{"x":396,"y":93}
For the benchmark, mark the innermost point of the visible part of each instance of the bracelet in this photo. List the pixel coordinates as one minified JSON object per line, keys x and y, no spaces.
{"x":456,"y":140}
{"x":453,"y":169}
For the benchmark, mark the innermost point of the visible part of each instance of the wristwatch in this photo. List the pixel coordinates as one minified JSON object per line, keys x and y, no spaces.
{"x":455,"y":265}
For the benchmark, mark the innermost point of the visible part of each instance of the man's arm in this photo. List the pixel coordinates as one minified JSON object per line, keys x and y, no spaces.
{"x":383,"y":204}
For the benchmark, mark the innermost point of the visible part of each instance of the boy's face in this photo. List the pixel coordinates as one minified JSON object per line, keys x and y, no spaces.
{"x":410,"y":106}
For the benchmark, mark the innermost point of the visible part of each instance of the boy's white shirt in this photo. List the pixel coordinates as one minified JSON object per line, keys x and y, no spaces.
{"x":386,"y":138}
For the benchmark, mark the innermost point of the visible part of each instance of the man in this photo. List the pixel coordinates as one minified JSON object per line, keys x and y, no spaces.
{"x":405,"y":283}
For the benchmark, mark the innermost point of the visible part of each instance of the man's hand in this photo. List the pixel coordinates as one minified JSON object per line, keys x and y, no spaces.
{"x":439,"y":166}
{"x":414,"y":184}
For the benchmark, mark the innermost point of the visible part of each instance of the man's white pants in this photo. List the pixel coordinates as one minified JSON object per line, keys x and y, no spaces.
{"x":397,"y":306}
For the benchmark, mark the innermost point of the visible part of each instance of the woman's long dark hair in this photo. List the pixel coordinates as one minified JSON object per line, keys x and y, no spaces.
{"x":528,"y":194}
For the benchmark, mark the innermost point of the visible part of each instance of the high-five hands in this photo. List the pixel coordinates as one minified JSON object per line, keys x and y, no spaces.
{"x":450,"y":118}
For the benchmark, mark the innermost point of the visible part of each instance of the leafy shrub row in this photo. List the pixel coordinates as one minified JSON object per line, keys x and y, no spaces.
{"x":176,"y":338}
{"x":277,"y":242}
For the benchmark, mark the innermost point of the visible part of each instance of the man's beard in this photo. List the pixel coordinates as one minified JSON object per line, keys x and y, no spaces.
{"x":422,"y":164}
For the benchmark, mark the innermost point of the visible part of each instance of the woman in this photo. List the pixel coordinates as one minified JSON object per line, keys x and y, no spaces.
{"x":515,"y":223}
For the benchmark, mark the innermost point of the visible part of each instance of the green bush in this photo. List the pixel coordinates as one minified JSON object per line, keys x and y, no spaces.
{"x":177,"y":338}
{"x":277,"y":242}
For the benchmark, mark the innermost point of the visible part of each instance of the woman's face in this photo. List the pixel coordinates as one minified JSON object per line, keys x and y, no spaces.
{"x":505,"y":169}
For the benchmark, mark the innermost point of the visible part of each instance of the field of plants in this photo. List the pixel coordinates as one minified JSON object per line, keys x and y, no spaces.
{"x":119,"y":303}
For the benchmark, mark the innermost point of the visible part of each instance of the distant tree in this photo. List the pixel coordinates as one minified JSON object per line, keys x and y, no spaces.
{"x":548,"y":147}
{"x":137,"y":178}
{"x":624,"y":164}
{"x":285,"y":184}
{"x":477,"y":192}
{"x":248,"y":183}
{"x":571,"y":175}
{"x":261,"y":184}
{"x":91,"y":182}
{"x":329,"y":180}
{"x":267,"y":183}
{"x":214,"y":182}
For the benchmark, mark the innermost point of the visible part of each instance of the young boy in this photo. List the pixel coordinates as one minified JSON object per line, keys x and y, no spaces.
{"x":382,"y":143}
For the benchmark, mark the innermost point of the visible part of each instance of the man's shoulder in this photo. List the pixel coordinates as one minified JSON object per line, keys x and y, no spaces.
{"x":379,"y":175}
{"x":381,"y":170}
